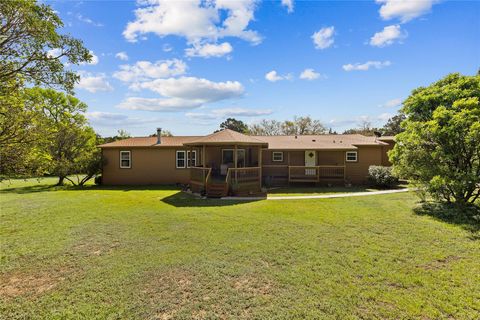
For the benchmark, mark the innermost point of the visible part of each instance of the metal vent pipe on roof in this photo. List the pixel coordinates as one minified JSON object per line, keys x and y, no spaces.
{"x":159,"y":135}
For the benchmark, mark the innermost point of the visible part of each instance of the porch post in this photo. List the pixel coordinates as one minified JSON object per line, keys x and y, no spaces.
{"x":235,"y":159}
{"x":191,"y":154}
{"x":203,"y":156}
{"x":260,"y":166}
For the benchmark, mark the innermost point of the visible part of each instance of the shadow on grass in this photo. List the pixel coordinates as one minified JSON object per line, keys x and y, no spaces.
{"x":466,"y":217}
{"x":182,"y":199}
{"x":49,"y":187}
{"x":310,"y":188}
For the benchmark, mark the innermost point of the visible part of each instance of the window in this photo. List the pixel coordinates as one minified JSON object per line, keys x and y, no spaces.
{"x":227,"y":157}
{"x":125,"y":160}
{"x":351,"y":156}
{"x":277,"y":156}
{"x":181,"y":159}
{"x":192,"y":159}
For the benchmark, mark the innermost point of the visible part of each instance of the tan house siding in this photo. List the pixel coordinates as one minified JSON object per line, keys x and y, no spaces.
{"x":148,"y":166}
{"x":357,"y":172}
{"x":385,"y":159}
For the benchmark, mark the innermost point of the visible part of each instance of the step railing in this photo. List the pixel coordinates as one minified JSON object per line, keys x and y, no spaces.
{"x":237,"y":178}
{"x":200,"y":176}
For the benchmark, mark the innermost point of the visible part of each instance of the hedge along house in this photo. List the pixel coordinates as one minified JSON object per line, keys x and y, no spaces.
{"x":230,"y":162}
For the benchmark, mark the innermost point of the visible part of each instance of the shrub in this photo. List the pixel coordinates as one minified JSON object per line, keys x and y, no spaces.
{"x":380,"y":176}
{"x":98,"y":180}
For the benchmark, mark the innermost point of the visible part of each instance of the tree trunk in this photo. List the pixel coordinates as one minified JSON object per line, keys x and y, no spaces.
{"x":60,"y":181}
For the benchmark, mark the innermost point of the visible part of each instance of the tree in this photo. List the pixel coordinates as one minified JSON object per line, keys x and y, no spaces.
{"x":364,"y":128}
{"x":235,"y":125}
{"x":440,"y":147}
{"x":31,"y":48}
{"x":165,"y":133}
{"x":393,"y":125}
{"x":69,"y":143}
{"x":297,"y":126}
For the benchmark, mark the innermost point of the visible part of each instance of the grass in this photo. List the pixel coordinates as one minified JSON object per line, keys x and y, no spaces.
{"x":156,"y":253}
{"x":306,"y":189}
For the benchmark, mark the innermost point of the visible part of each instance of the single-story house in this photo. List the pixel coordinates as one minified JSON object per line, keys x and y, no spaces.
{"x":228,"y":161}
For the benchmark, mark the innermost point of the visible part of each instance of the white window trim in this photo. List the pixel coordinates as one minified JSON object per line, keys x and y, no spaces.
{"x":277,"y":152}
{"x":184,"y":159}
{"x":129,"y":159}
{"x":194,"y":158}
{"x":351,"y":152}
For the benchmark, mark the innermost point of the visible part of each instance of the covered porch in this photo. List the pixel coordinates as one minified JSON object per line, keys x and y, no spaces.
{"x":230,"y":164}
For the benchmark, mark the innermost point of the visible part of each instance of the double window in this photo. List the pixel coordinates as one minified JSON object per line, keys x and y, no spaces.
{"x":277,"y":156}
{"x":183,"y":159}
{"x":351,"y":156}
{"x":125,"y":160}
{"x":228,"y":157}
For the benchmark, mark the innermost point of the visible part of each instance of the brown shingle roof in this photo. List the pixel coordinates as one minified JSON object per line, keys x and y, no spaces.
{"x":324,"y":141}
{"x":150,"y":142}
{"x":311,"y":142}
{"x":227,"y":136}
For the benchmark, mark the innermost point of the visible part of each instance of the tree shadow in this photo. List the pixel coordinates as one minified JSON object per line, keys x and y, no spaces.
{"x":52,"y":187}
{"x":468,"y":217}
{"x":182,"y":199}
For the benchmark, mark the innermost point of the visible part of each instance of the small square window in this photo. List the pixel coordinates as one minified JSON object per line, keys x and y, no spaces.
{"x":351,"y":156}
{"x":125,"y":160}
{"x":277,"y":156}
{"x":181,"y":159}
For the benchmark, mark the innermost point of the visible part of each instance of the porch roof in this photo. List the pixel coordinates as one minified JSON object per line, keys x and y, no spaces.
{"x":226,"y":137}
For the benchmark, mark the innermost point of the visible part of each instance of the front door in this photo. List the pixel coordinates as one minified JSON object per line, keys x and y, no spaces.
{"x":310,"y":161}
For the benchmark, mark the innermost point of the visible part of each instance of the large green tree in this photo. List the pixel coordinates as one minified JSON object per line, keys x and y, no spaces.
{"x":440,"y":147}
{"x":297,"y":126}
{"x":235,"y":125}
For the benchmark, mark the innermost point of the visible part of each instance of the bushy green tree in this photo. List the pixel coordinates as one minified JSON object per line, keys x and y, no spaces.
{"x":440,"y":147}
{"x":235,"y":125}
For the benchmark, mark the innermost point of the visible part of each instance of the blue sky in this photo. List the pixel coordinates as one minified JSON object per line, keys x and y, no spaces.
{"x":186,"y":66}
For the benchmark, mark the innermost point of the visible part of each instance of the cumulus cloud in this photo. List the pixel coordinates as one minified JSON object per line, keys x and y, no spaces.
{"x":93,"y":61}
{"x":288,"y":4}
{"x":323,"y":38}
{"x":366,"y":66}
{"x":146,"y":70}
{"x":404,"y":10}
{"x":273,"y":76}
{"x":228,"y":112}
{"x":158,"y":104}
{"x":208,"y":50}
{"x":93,"y":82}
{"x":392,"y":103}
{"x":309,"y":74}
{"x":122,"y":56}
{"x":387,"y":36}
{"x":197,"y":20}
{"x":118,"y":120}
{"x":194,"y":89}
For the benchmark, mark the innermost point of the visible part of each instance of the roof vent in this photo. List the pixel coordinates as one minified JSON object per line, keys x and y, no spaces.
{"x":313,"y":140}
{"x":333,"y":141}
{"x":296,"y":137}
{"x":159,"y":135}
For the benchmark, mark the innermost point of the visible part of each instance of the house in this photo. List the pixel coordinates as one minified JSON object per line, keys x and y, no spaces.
{"x":228,"y":161}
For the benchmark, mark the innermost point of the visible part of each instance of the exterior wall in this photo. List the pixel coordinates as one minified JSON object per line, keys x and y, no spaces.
{"x":385,"y":160}
{"x":367,"y":156}
{"x":148,"y":166}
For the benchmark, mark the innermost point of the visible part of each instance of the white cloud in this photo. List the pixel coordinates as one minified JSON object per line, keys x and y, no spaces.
{"x":122,"y":56}
{"x":195,"y":20}
{"x":229,"y":112}
{"x":116,"y":120}
{"x":93,"y":61}
{"x":88,"y":21}
{"x":167,"y":47}
{"x":194,"y":89}
{"x":146,"y":70}
{"x":405,"y":10}
{"x":93,"y":83}
{"x":392,"y":103}
{"x":288,"y":4}
{"x":158,"y":104}
{"x":323,"y":38}
{"x":273,"y":76}
{"x":53,"y":53}
{"x":208,"y":50}
{"x":387,"y":36}
{"x":366,"y":66}
{"x":309,"y":74}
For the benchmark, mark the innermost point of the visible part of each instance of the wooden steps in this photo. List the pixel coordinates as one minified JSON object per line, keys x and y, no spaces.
{"x":217,"y":190}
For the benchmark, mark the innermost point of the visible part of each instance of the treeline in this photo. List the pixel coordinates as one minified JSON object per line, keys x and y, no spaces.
{"x":306,"y":125}
{"x":42,"y":126}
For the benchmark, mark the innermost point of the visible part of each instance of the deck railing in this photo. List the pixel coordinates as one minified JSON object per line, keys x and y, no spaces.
{"x":199,"y":176}
{"x":239,"y":177}
{"x":315,"y":173}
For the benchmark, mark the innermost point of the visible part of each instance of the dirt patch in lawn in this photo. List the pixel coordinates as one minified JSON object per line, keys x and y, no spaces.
{"x":440,"y":263}
{"x":17,"y":284}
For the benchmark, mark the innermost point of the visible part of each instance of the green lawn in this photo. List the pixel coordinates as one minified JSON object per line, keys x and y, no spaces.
{"x":155,"y":253}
